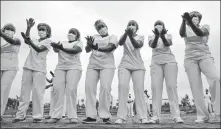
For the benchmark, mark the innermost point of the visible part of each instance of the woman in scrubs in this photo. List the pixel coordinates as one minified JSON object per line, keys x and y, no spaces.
{"x":131,"y":66}
{"x":101,"y":67}
{"x":198,"y":59}
{"x":9,"y":62}
{"x":67,"y":76}
{"x":34,"y":72}
{"x":163,"y":65}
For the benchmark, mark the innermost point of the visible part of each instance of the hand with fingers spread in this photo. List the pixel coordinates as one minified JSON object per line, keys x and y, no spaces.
{"x":90,"y":41}
{"x":30,"y":22}
{"x":156,"y":32}
{"x":187,"y":17}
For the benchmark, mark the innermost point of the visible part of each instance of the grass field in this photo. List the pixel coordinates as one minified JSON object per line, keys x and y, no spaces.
{"x":165,"y":122}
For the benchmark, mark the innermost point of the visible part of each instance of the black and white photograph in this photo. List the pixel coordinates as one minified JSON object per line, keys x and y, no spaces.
{"x":110,"y":64}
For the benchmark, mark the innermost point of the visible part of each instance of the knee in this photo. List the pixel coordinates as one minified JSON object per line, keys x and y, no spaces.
{"x":105,"y":87}
{"x":123,"y":86}
{"x":153,"y":87}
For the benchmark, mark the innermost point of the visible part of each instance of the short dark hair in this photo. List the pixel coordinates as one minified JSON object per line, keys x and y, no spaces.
{"x":78,"y":33}
{"x":47,"y":27}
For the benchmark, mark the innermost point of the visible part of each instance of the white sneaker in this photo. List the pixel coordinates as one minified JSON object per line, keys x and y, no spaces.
{"x":73,"y":121}
{"x":144,"y":121}
{"x":120,"y":121}
{"x":215,"y":119}
{"x":178,"y":120}
{"x":199,"y":121}
{"x":154,"y":120}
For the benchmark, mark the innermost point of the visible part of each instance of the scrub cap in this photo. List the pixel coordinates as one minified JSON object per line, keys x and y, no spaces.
{"x":47,"y":27}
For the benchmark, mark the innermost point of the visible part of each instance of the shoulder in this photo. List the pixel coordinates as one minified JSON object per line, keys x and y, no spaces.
{"x":169,"y":36}
{"x":140,"y":36}
{"x":205,"y":26}
{"x":151,"y":36}
{"x":96,"y":36}
{"x":48,"y":40}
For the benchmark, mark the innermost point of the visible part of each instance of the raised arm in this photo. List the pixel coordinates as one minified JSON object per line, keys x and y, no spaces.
{"x":123,"y":39}
{"x":135,"y":43}
{"x":13,"y":41}
{"x":197,"y":30}
{"x":166,"y":41}
{"x":183,"y":29}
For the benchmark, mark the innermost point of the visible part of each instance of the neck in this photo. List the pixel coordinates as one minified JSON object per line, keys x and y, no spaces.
{"x":104,"y":35}
{"x":41,"y":39}
{"x":72,"y":41}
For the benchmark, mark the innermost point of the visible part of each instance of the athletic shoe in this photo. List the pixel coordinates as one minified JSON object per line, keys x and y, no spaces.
{"x":178,"y":120}
{"x":199,"y":121}
{"x":144,"y":121}
{"x":89,"y":120}
{"x":52,"y":120}
{"x":73,"y":121}
{"x":48,"y":117}
{"x":120,"y":121}
{"x":154,"y":121}
{"x":19,"y":120}
{"x":36,"y":120}
{"x":107,"y":120}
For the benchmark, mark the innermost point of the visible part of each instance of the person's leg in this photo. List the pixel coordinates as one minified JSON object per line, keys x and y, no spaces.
{"x":51,"y":102}
{"x":194,"y":76}
{"x":7,"y":78}
{"x":65,"y":102}
{"x":157,"y":78}
{"x":209,"y":69}
{"x":123,"y":90}
{"x":38,"y":91}
{"x":106,"y":78}
{"x":148,"y":108}
{"x":131,"y":109}
{"x":26,"y":87}
{"x":170,"y":72}
{"x":138,"y":86}
{"x":59,"y":84}
{"x":210,"y":107}
{"x":92,"y":77}
{"x":72,"y":79}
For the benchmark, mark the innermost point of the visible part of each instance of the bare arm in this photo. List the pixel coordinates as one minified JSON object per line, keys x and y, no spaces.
{"x":10,"y":40}
{"x":110,"y":47}
{"x":123,"y":39}
{"x":166,"y":42}
{"x":183,"y":29}
{"x":153,"y":43}
{"x":136,"y":43}
{"x":74,"y":50}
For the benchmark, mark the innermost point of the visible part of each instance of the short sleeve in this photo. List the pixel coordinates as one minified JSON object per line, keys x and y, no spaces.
{"x":150,"y":38}
{"x":206,"y":27}
{"x":47,"y":43}
{"x":169,"y":36}
{"x":113,"y":40}
{"x":140,"y":38}
{"x":79,"y":44}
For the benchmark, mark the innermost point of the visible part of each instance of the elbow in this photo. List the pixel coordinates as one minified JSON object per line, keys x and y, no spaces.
{"x":138,"y":46}
{"x":76,"y":52}
{"x":182,"y":35}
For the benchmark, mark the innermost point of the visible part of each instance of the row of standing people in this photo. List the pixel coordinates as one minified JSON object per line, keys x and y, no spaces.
{"x":102,"y":67}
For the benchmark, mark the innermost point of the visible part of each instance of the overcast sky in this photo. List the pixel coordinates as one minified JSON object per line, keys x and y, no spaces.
{"x":62,"y":16}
